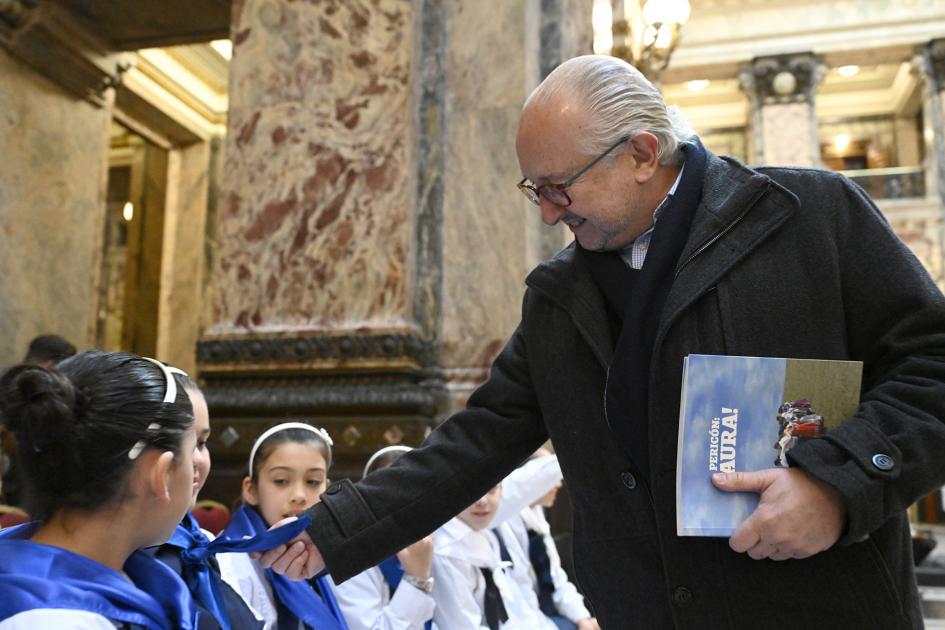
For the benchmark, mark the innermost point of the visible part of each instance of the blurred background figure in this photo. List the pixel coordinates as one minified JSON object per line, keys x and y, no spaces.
{"x":48,"y":350}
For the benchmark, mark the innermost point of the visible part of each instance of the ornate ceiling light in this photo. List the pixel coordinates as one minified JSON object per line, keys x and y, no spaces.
{"x":643,"y":32}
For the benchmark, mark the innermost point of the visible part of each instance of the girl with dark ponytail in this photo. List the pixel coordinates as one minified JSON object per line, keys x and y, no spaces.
{"x":106,"y":447}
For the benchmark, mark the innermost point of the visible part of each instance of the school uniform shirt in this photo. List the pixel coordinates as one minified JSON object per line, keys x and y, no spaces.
{"x":248,"y":579}
{"x":57,"y":618}
{"x":568,"y":602}
{"x":367,"y":603}
{"x":525,"y":485}
{"x":460,"y":555}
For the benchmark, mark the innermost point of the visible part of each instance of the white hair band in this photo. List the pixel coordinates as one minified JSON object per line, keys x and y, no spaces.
{"x":321,"y":433}
{"x":397,"y":448}
{"x":170,"y":395}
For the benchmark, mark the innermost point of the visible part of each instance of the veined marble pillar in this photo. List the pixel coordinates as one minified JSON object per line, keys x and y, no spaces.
{"x":372,"y":243}
{"x":927,"y":237}
{"x":781,"y":90}
{"x":931,"y":64}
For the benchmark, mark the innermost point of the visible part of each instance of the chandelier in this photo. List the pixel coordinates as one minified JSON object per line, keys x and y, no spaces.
{"x":642,"y":32}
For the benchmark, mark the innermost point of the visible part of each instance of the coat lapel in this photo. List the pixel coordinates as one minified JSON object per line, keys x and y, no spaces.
{"x":728,"y":225}
{"x":567,"y":282}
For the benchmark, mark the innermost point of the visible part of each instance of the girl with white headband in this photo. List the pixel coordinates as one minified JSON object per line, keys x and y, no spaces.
{"x":397,"y":594}
{"x":287,"y":473}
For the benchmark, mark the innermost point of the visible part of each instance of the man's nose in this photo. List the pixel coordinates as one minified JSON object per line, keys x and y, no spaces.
{"x":551,"y":213}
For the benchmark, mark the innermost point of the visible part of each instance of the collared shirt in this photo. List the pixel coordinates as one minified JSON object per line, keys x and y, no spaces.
{"x":635,"y":253}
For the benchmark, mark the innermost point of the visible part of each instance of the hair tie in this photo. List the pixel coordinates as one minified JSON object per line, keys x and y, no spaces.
{"x":321,"y":433}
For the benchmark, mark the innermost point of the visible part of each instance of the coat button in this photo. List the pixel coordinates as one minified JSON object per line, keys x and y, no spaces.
{"x":627,"y":479}
{"x":883,"y":462}
{"x":333,"y":489}
{"x":682,"y":596}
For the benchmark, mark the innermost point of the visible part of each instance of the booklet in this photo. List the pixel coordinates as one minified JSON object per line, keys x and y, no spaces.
{"x":744,"y":414}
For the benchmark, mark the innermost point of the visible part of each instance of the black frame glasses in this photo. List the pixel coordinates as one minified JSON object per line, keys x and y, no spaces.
{"x":555,"y":192}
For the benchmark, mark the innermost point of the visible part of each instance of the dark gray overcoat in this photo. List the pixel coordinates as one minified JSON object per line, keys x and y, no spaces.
{"x":779,"y":262}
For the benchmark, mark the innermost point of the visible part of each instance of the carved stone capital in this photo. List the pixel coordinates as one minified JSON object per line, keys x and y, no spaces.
{"x":931,"y":61}
{"x":782,"y":78}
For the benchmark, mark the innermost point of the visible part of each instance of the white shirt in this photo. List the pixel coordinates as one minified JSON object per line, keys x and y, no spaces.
{"x":59,"y":618}
{"x":248,"y":579}
{"x":461,"y":552}
{"x":366,"y":603}
{"x":567,"y":600}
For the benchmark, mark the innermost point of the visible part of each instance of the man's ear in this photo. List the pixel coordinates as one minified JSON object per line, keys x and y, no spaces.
{"x":644,"y":151}
{"x":159,"y":482}
{"x":250,"y":496}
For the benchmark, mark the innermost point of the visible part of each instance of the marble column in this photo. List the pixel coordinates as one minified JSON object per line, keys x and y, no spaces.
{"x":930,"y":62}
{"x":781,"y":91}
{"x":371,"y":242}
{"x":927,"y":234}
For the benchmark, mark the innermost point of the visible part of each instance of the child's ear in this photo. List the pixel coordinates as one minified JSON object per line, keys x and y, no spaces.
{"x":159,"y":476}
{"x":250,"y":496}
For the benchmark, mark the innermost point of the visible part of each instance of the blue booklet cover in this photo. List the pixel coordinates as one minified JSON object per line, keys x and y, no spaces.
{"x":744,"y":414}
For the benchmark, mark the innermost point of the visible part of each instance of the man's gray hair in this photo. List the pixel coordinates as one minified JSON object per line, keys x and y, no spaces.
{"x":619,"y":100}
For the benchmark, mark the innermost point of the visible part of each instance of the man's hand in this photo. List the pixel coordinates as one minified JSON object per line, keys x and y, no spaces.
{"x":417,"y":558}
{"x":588,"y":624}
{"x":797,"y":515}
{"x":299,"y":560}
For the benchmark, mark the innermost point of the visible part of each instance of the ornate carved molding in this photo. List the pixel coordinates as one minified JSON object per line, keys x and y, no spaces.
{"x":15,"y":14}
{"x":316,"y":395}
{"x":782,"y":78}
{"x":318,"y":352}
{"x":47,"y":38}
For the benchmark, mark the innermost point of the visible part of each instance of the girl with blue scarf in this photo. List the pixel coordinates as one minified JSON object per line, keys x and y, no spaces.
{"x":288,"y":471}
{"x":105,"y":443}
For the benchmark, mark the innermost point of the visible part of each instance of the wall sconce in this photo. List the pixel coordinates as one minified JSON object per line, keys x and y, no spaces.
{"x":642,"y":32}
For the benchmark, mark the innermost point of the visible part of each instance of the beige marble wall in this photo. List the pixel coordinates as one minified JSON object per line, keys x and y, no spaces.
{"x":314,"y":225}
{"x":786,"y":135}
{"x":182,"y":262}
{"x":492,"y":235}
{"x":484,"y":221}
{"x":52,"y":202}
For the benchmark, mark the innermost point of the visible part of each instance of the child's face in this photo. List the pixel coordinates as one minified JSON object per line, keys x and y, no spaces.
{"x":201,"y":454}
{"x":480,"y":514}
{"x":290,"y":480}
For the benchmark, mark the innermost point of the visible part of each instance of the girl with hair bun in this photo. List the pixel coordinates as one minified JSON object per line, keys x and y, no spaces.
{"x":287,"y":473}
{"x":106,"y":447}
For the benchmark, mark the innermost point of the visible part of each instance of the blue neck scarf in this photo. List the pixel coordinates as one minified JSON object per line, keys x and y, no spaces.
{"x":35,"y":576}
{"x":203,"y":581}
{"x":393,"y":571}
{"x":312,"y":602}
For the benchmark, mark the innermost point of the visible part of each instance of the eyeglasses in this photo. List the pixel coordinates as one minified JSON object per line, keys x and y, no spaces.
{"x":555,"y":192}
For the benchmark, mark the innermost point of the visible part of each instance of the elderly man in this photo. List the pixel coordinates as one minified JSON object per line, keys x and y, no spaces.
{"x":679,"y":251}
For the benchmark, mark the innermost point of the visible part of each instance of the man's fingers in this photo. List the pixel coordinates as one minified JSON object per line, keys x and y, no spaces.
{"x":756,"y":481}
{"x":267,"y":558}
{"x":296,"y":569}
{"x":745,"y":536}
{"x":281,"y":564}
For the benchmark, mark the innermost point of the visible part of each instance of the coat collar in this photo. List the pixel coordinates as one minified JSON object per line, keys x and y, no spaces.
{"x":725,"y":228}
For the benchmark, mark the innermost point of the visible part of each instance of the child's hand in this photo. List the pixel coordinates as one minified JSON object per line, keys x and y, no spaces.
{"x":418,"y":557}
{"x":588,"y":624}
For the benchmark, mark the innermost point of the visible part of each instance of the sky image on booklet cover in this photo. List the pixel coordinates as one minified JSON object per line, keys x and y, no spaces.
{"x":745,"y":414}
